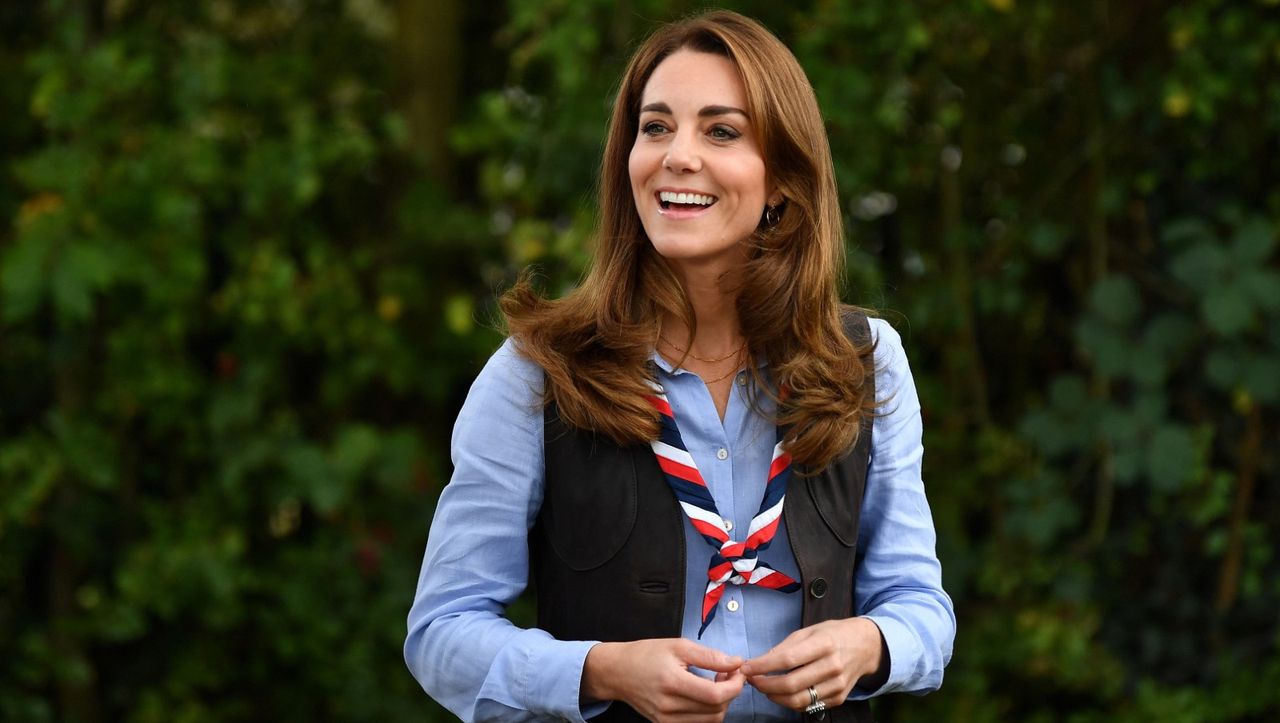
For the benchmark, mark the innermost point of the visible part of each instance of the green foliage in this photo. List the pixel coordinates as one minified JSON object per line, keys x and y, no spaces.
{"x":239,"y":308}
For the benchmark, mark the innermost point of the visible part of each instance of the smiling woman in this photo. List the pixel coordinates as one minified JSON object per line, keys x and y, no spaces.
{"x":687,"y":455}
{"x":697,"y":173}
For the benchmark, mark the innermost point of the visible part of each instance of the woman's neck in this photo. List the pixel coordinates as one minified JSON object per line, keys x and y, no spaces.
{"x":716,"y":315}
{"x":716,"y":349}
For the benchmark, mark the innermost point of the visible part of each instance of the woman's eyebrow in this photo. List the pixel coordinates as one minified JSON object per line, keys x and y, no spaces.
{"x":707,"y":111}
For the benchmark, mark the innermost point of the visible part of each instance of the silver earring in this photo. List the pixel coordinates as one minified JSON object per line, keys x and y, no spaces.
{"x":772,"y":215}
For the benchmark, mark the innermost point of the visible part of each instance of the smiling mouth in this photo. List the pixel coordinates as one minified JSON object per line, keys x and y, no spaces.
{"x":672,"y":201}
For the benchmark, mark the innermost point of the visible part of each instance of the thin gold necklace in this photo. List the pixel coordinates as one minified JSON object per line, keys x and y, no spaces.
{"x":720,"y":379}
{"x":731,"y":354}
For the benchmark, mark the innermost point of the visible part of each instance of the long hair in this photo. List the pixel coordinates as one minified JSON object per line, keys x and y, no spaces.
{"x":594,"y":344}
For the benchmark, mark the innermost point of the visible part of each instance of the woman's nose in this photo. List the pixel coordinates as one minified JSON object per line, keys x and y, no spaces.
{"x":682,"y":155}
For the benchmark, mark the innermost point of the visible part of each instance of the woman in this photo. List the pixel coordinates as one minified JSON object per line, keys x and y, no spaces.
{"x":632,"y":446}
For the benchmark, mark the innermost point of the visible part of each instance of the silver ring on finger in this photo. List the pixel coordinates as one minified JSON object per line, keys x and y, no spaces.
{"x":817,"y":708}
{"x":813,"y":697}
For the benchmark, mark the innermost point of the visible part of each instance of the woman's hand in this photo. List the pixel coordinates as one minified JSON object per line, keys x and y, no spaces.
{"x":653,"y":677}
{"x":830,"y":656}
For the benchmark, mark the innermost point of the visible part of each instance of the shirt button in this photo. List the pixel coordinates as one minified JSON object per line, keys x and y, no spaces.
{"x":742,"y":379}
{"x":728,"y":524}
{"x":722,"y":454}
{"x":732,"y":606}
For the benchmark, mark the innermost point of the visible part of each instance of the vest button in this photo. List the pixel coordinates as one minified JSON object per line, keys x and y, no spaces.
{"x":818,"y":587}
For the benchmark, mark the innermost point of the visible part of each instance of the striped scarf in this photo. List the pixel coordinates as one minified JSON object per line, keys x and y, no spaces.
{"x":732,"y":563}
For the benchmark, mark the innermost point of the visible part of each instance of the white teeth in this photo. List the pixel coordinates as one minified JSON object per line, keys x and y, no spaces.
{"x":686,"y":198}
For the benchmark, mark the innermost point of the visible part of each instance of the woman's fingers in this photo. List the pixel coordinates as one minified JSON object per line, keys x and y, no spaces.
{"x":825,"y":657}
{"x":786,"y":672}
{"x":791,"y":690}
{"x":799,"y":648}
{"x":796,"y":681}
{"x":653,"y":676}
{"x":706,"y":658}
{"x":708,"y":693}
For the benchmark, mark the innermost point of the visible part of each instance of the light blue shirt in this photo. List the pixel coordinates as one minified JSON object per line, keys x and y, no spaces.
{"x":479,"y":665}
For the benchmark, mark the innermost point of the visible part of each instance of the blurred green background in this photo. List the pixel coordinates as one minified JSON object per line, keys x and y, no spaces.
{"x":248,"y":265}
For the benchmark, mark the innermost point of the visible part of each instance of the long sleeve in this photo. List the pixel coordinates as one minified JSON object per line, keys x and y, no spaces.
{"x":899,"y":582}
{"x":460,"y":648}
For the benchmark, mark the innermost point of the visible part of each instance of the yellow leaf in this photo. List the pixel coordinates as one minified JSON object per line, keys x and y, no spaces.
{"x":37,"y":206}
{"x":390,"y":307}
{"x":1177,"y":103}
{"x":1242,"y":401}
{"x":458,"y":314}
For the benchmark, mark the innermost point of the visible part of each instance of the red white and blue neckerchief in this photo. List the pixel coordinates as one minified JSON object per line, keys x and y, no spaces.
{"x":732,"y":563}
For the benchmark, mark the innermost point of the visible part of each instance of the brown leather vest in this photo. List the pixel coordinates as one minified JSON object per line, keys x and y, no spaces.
{"x":596,"y":580}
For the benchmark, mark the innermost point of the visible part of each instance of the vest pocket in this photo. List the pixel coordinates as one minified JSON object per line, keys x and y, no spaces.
{"x":838,"y":505}
{"x":590,"y":515}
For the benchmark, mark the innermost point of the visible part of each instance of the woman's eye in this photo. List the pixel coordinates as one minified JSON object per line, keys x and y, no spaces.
{"x":724,"y":133}
{"x":653,"y":129}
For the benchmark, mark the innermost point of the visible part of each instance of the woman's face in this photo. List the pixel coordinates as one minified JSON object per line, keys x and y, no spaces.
{"x":697,"y":173}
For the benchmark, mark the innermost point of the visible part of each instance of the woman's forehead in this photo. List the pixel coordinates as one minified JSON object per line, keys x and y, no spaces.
{"x":691,"y":80}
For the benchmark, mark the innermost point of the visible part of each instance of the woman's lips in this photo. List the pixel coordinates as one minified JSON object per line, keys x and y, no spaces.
{"x":677,"y":213}
{"x":680,"y":211}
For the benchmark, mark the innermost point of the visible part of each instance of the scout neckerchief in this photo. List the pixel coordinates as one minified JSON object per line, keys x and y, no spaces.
{"x":732,"y":562}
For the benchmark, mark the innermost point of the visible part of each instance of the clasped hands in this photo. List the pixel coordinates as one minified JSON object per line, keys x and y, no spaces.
{"x":653,"y":676}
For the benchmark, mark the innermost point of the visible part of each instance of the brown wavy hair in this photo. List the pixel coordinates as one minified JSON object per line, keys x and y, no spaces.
{"x":594,"y":343}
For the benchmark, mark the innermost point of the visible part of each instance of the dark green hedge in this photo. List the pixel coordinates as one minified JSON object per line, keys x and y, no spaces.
{"x":248,"y":271}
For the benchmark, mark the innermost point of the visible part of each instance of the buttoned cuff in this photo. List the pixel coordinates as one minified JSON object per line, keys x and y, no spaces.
{"x":902,"y":647}
{"x":556,"y":670}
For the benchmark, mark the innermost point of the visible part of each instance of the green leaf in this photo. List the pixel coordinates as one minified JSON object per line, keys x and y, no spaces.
{"x":1068,"y":390}
{"x":81,"y":270}
{"x":22,"y":277}
{"x":312,"y":473}
{"x":1253,"y":241}
{"x":1171,"y":458}
{"x":1108,"y":348}
{"x":1225,"y":367}
{"x":89,"y":450}
{"x":1148,"y":366}
{"x":1200,"y":267}
{"x":357,"y":447}
{"x":1261,"y":376}
{"x":70,"y":293}
{"x":30,"y":469}
{"x":1116,"y":300}
{"x":1186,"y":232}
{"x":1227,"y":309}
{"x":1126,"y":463}
{"x":1262,"y":286}
{"x":1169,"y":334}
{"x":1047,"y":239}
